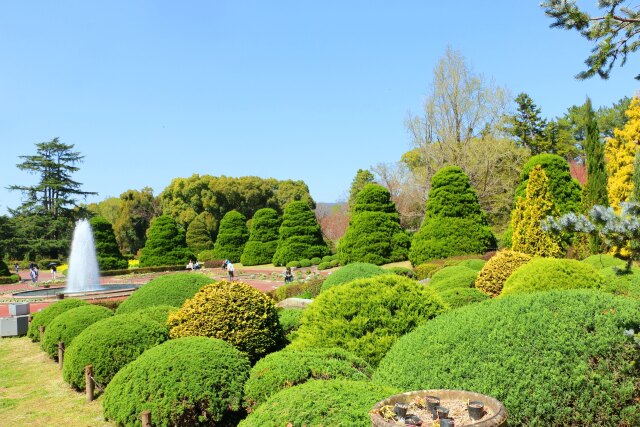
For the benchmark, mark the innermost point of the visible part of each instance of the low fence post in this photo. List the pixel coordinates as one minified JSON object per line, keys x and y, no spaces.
{"x":41,"y":329}
{"x":60,"y":354}
{"x":88,"y":378}
{"x":146,"y":418}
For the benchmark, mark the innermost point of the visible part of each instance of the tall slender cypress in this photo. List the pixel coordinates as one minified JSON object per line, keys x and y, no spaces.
{"x":595,"y":190}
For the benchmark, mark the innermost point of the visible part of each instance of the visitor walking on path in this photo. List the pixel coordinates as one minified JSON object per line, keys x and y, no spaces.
{"x":53,"y":271}
{"x":17,"y":269}
{"x":230,"y":270}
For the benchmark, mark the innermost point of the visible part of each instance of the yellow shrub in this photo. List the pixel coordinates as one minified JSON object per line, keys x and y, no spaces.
{"x":134,"y":263}
{"x":498,"y":269}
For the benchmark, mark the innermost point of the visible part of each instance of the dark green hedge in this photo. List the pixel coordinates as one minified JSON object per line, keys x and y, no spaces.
{"x":287,"y":368}
{"x":374,"y":234}
{"x":300,"y":235}
{"x":320,"y":403}
{"x":356,"y":270}
{"x":165,"y":245}
{"x":558,"y":358}
{"x":143,"y":270}
{"x":454,"y":224}
{"x":193,"y":381}
{"x":109,"y":345}
{"x":263,"y":238}
{"x":542,"y":274}
{"x":68,"y":325}
{"x":171,"y":289}
{"x":107,"y":249}
{"x":232,"y":236}
{"x":47,"y":314}
{"x":367,"y":316}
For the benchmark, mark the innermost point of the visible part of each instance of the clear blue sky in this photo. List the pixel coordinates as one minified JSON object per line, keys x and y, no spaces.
{"x":153,"y":90}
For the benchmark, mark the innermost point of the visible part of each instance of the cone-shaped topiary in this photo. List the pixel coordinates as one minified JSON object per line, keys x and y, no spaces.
{"x":4,"y":269}
{"x":528,"y":236}
{"x":68,"y":325}
{"x":348,"y":273}
{"x":453,"y":224}
{"x":320,"y":403}
{"x":566,"y":348}
{"x":374,"y":234}
{"x":367,"y":316}
{"x":194,"y":381}
{"x":566,"y":193}
{"x":109,"y":345}
{"x":171,"y":289}
{"x":263,"y":238}
{"x":232,"y":236}
{"x":49,"y":313}
{"x":234,"y":312}
{"x":498,"y":269}
{"x":201,"y":232}
{"x":299,"y":235}
{"x":107,"y":250}
{"x":286,"y":368}
{"x":165,"y":244}
{"x":543,"y":274}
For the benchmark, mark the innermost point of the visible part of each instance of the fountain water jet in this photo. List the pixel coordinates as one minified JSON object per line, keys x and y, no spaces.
{"x":83,"y":274}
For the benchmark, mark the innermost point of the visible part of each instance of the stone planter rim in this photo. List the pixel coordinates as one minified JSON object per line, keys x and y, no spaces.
{"x":499,"y":419}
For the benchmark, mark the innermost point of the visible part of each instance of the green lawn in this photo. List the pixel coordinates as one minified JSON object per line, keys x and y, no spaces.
{"x":32,"y":392}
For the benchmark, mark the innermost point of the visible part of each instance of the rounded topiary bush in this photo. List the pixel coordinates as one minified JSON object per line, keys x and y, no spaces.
{"x":107,"y":249}
{"x":456,"y":276}
{"x":165,"y":245}
{"x":474,"y":264}
{"x":263,"y":238}
{"x":157,"y":313}
{"x":367,"y":316}
{"x":287,"y":368}
{"x":232,"y":236}
{"x":171,"y":289}
{"x":320,"y":403}
{"x":234,"y":312}
{"x":68,"y":325}
{"x":542,"y":274}
{"x":459,"y":297}
{"x":194,"y":381}
{"x":498,"y":269}
{"x":46,"y":315}
{"x":453,"y":224}
{"x":601,"y":261}
{"x":109,"y":345}
{"x":316,"y":260}
{"x":305,"y":263}
{"x":555,"y":358}
{"x":294,"y":264}
{"x":300,"y":235}
{"x":350,"y":272}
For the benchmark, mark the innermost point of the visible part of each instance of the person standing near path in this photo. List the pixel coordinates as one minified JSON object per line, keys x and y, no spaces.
{"x":230,"y":271}
{"x":17,"y":269}
{"x":53,"y":271}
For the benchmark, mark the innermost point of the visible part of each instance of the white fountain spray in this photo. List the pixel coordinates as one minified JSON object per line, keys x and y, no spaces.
{"x":83,"y":274}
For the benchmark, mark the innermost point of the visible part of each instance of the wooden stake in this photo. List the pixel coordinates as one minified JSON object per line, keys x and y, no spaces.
{"x":41,"y":329}
{"x":88,"y":379}
{"x":60,"y":354}
{"x":146,"y":418}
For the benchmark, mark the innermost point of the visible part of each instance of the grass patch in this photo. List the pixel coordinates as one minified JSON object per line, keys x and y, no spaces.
{"x":33,"y":393}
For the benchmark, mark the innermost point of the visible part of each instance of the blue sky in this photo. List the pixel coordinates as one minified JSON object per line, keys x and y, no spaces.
{"x":153,"y":90}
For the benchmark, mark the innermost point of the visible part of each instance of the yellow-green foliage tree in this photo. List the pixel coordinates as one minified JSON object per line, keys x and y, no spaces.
{"x":528,"y":236}
{"x":620,"y":153}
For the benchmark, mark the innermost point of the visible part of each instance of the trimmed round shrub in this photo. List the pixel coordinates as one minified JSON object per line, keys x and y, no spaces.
{"x":621,"y":283}
{"x":498,"y":269}
{"x":109,"y":345}
{"x":367,"y":316}
{"x":426,"y":270}
{"x":328,"y":258}
{"x":601,"y":261}
{"x":46,"y":315}
{"x":459,"y":297}
{"x":232,"y":236}
{"x":171,"y":289}
{"x":234,"y":312}
{"x":294,"y":264}
{"x":348,"y":273}
{"x":287,"y":368}
{"x":334,"y":263}
{"x":474,"y":264}
{"x":320,"y":403}
{"x":263,"y":238}
{"x":543,"y":274}
{"x":290,"y":319}
{"x":558,"y":358}
{"x":324,"y":266}
{"x":374,"y":234}
{"x":107,"y":249}
{"x":456,"y":276}
{"x":165,"y":245}
{"x":304,"y":263}
{"x":300,"y":235}
{"x":157,"y":313}
{"x":194,"y":381}
{"x":206,"y":255}
{"x":201,"y":232}
{"x":316,"y":260}
{"x":68,"y":325}
{"x":453,"y":224}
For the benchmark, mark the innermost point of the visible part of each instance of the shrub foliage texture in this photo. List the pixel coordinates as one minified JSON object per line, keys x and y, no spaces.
{"x":49,"y":313}
{"x":263,"y":238}
{"x":107,"y":249}
{"x":232,"y":236}
{"x":166,"y":244}
{"x":498,"y":269}
{"x":348,"y":273}
{"x":299,"y":235}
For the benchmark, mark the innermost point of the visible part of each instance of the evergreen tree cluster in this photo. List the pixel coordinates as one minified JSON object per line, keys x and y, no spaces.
{"x":107,"y":250}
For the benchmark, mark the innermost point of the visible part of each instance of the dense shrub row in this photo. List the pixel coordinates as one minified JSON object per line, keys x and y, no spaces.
{"x":143,"y":270}
{"x":555,"y":358}
{"x":46,"y":315}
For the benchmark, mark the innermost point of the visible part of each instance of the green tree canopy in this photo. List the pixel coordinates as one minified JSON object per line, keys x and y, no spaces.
{"x":165,"y":244}
{"x":107,"y":250}
{"x":201,"y":232}
{"x":137,"y":209}
{"x":362,"y":178}
{"x":300,"y":236}
{"x":232,"y":237}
